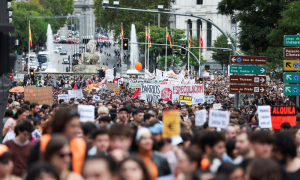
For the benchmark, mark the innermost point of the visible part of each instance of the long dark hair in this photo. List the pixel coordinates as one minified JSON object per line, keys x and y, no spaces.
{"x":61,"y":119}
{"x":37,"y":169}
{"x":57,"y":142}
{"x":136,"y":158}
{"x":19,"y":112}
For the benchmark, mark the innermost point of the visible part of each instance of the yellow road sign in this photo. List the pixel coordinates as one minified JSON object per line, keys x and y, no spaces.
{"x":291,"y":65}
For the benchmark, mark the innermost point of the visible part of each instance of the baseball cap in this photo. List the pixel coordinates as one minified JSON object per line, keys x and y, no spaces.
{"x":157,"y":128}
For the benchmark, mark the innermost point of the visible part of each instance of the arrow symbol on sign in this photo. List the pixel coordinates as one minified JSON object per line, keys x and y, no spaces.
{"x":262,"y":80}
{"x":262,"y":89}
{"x":287,"y":89}
{"x":288,"y":77}
{"x":262,"y":70}
{"x":233,"y":59}
{"x":288,"y":64}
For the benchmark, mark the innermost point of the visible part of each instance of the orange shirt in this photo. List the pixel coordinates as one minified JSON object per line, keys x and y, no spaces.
{"x":150,"y":165}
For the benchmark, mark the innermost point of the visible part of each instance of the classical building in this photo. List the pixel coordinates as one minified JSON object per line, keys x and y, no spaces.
{"x":206,"y":9}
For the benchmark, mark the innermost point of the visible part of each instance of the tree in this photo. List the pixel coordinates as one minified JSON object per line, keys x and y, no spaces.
{"x":219,"y":55}
{"x":111,"y":19}
{"x":256,"y":18}
{"x":289,"y":24}
{"x":158,"y":36}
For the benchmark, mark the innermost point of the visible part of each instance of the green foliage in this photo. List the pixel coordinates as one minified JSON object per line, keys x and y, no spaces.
{"x":158,"y":36}
{"x":32,"y":10}
{"x":111,"y":19}
{"x":289,"y":24}
{"x":257,"y":18}
{"x":219,"y":55}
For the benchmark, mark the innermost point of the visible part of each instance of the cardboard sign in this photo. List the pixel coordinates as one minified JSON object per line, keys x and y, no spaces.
{"x":65,"y":97}
{"x":96,"y":98}
{"x":117,"y":91}
{"x":281,"y":114}
{"x":264,"y":116}
{"x":217,"y":106}
{"x":218,"y":118}
{"x":77,"y":94}
{"x":186,"y":99}
{"x":87,"y":113}
{"x":209,"y":99}
{"x":171,"y":120}
{"x":40,"y":95}
{"x":112,"y":86}
{"x":200,"y":117}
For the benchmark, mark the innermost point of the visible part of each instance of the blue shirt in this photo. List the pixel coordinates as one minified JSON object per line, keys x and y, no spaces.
{"x":38,"y":116}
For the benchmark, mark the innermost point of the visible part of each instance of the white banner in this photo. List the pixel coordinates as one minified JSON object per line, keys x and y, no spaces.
{"x":77,"y":94}
{"x":109,"y":73}
{"x":209,"y":99}
{"x":217,"y":106}
{"x":264,"y":116}
{"x":200,"y":117}
{"x":96,"y":98}
{"x":65,"y":97}
{"x":170,"y":92}
{"x":218,"y":118}
{"x":87,"y":113}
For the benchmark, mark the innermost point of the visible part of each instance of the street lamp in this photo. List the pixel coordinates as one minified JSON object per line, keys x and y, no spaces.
{"x":160,"y":7}
{"x":116,"y":3}
{"x":105,"y":3}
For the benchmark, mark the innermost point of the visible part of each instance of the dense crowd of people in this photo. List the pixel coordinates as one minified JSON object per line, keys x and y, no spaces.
{"x":124,"y":141}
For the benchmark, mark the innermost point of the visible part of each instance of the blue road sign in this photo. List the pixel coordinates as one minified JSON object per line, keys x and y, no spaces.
{"x":295,"y":90}
{"x":295,"y":65}
{"x":296,"y":77}
{"x":239,"y":59}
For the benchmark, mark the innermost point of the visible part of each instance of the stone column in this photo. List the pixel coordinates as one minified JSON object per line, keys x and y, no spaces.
{"x":194,"y":28}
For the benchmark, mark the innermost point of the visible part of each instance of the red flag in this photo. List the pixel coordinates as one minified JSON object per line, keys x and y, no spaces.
{"x":150,"y":46}
{"x":201,"y":39}
{"x":190,"y":39}
{"x":75,"y":87}
{"x":168,"y":37}
{"x":147,"y":33}
{"x":137,"y":93}
{"x":122,"y":32}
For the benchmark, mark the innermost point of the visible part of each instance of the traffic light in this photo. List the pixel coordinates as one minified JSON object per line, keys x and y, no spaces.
{"x":101,"y":73}
{"x":183,"y":51}
{"x":9,"y":11}
{"x":201,"y":80}
{"x":125,"y":44}
{"x":31,"y":72}
{"x":8,"y":58}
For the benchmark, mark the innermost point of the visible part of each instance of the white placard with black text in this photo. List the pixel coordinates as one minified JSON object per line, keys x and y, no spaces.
{"x":264,"y":116}
{"x":218,"y":118}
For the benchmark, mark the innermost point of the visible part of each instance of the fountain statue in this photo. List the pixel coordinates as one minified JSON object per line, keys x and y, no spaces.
{"x":91,"y":60}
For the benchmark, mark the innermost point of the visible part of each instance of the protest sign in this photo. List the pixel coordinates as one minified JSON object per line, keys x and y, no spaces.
{"x":212,"y":77}
{"x":209,"y":99}
{"x":112,"y":86}
{"x":40,"y":95}
{"x":218,"y":118}
{"x":112,"y":94}
{"x":150,"y":92}
{"x":264,"y":116}
{"x":65,"y":97}
{"x":215,"y":77}
{"x":109,"y":73}
{"x":281,"y":114}
{"x":200,"y":117}
{"x":171,"y":120}
{"x":96,"y":98}
{"x":86,"y":112}
{"x":217,"y":106}
{"x":187,"y":99}
{"x":118,"y":75}
{"x":77,"y":94}
{"x":117,"y":91}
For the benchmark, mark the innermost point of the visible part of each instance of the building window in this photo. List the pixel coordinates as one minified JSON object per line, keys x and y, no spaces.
{"x":190,"y":25}
{"x":199,"y":23}
{"x":208,"y":34}
{"x":199,"y":1}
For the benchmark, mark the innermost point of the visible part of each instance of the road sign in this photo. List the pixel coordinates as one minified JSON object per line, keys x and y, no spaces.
{"x":248,"y":70}
{"x":291,"y":89}
{"x":247,"y":89}
{"x":291,"y":65}
{"x":291,"y":77}
{"x":248,"y":79}
{"x":291,"y":40}
{"x":291,"y":53}
{"x":248,"y":60}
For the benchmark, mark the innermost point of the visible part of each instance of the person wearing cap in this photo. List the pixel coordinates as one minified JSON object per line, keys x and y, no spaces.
{"x":123,"y":115}
{"x":6,"y":164}
{"x":157,"y":165}
{"x":113,"y":113}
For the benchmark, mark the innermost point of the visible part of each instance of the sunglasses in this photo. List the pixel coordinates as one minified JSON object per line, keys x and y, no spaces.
{"x":61,"y":155}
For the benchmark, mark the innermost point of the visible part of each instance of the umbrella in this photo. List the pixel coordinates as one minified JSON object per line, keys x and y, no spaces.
{"x":17,"y":89}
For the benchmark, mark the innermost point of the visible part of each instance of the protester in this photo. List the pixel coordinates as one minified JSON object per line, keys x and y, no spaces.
{"x":133,"y":168}
{"x":6,"y":164}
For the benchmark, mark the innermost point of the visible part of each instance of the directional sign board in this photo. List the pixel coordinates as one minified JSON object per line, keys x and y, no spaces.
{"x":247,"y":89}
{"x":291,"y":53}
{"x":291,"y":40}
{"x":248,"y":60}
{"x":291,"y":89}
{"x":248,"y":79}
{"x":248,"y":70}
{"x":291,"y":77}
{"x":291,"y":65}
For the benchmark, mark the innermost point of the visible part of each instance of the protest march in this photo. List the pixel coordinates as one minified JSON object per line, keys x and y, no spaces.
{"x":157,"y":126}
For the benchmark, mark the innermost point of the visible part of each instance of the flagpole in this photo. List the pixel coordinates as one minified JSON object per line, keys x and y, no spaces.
{"x":122,"y":47}
{"x":28,"y":47}
{"x":148,"y":43}
{"x":200,"y":49}
{"x":166,"y":50}
{"x":145,"y":46}
{"x":189,"y":57}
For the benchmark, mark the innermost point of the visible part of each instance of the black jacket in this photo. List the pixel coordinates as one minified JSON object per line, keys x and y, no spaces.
{"x":162,"y":164}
